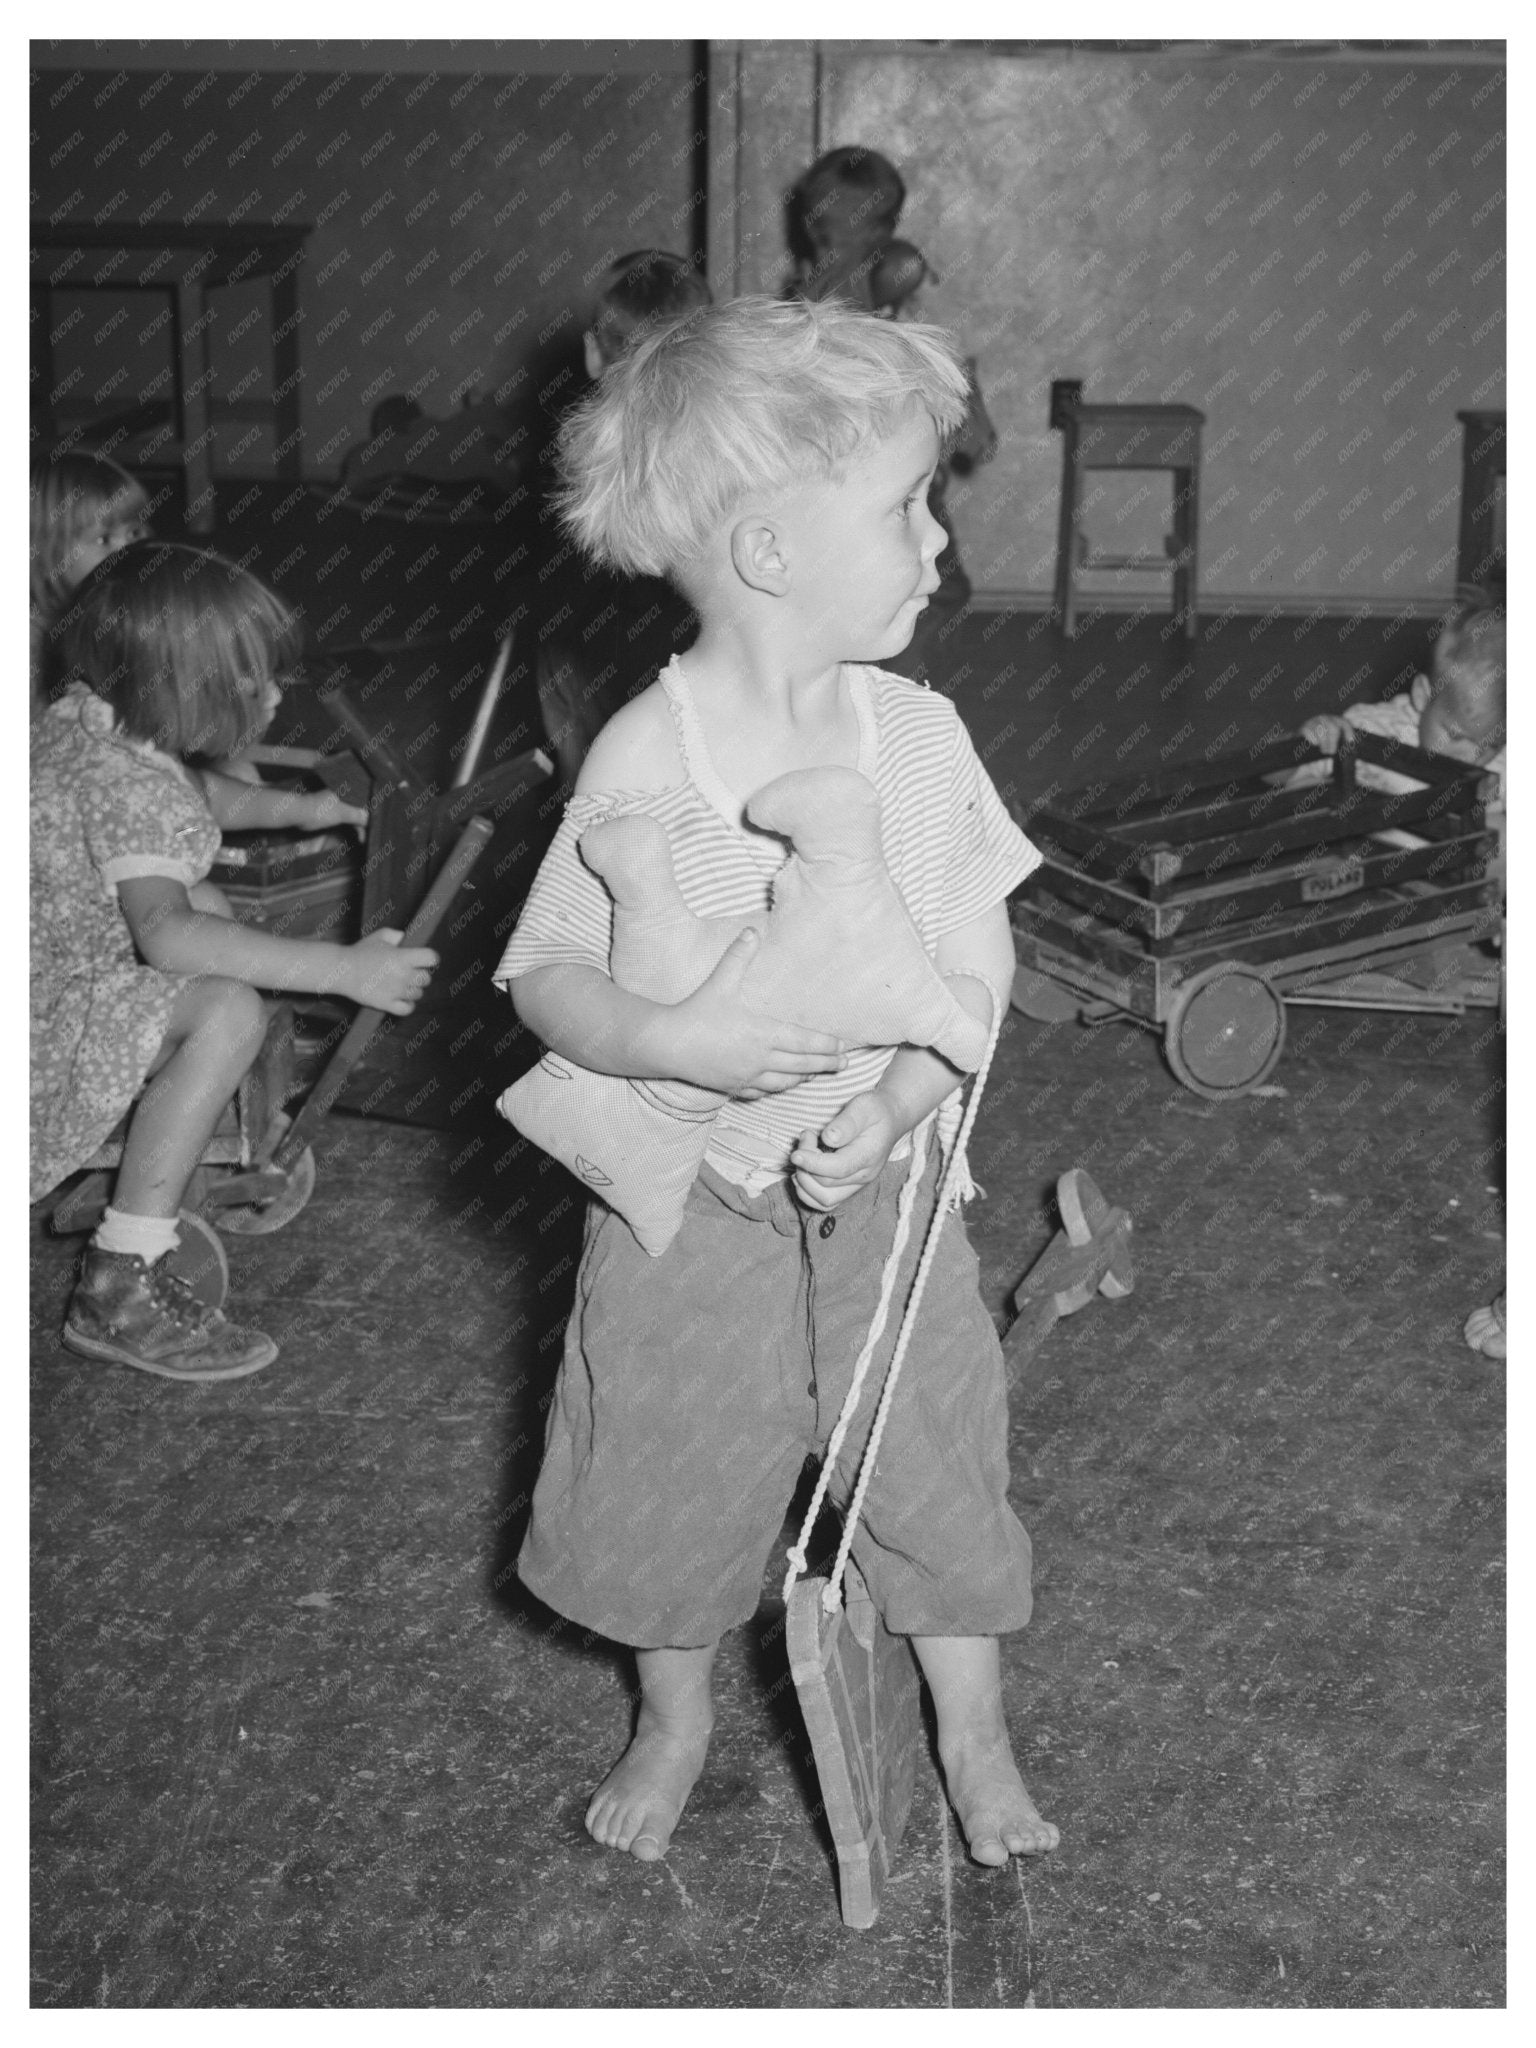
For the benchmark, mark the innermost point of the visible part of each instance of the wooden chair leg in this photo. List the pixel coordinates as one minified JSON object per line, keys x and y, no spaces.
{"x":1189,"y":597}
{"x":1066,"y":540}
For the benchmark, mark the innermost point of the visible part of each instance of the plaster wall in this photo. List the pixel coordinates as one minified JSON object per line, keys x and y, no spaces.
{"x":1310,"y":251}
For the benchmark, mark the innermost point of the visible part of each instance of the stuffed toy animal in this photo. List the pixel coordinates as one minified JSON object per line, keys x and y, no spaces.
{"x":838,"y":952}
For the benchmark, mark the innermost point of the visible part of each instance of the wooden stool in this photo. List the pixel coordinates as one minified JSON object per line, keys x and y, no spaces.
{"x":1480,"y":542}
{"x":1130,"y":437}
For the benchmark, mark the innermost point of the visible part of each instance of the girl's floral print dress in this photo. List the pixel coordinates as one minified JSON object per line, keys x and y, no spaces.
{"x":105,"y":810}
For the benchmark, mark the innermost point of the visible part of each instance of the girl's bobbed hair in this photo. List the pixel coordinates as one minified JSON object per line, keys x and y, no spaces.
{"x":732,"y":401}
{"x":75,"y":492}
{"x":178,"y":641}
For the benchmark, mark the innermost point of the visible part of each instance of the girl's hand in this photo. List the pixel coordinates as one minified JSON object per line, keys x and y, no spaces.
{"x":1326,"y":731}
{"x":849,"y":1153}
{"x":325,"y":809}
{"x":382,"y":975}
{"x":714,"y":1040}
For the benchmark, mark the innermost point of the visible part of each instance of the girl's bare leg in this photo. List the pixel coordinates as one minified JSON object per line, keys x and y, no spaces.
{"x":215,"y":1033}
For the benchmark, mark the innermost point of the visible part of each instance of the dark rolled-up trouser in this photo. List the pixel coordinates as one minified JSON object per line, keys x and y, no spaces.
{"x":693,"y":1386}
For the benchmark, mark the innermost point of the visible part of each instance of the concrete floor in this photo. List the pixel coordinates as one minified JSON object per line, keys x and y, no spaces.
{"x":300,"y":1739}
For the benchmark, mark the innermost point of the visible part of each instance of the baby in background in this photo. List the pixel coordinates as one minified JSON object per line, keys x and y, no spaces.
{"x":1457,"y":709}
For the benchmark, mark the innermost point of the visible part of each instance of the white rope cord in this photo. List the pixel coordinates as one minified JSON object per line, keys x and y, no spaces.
{"x":955,"y":1168}
{"x":904,"y":1207}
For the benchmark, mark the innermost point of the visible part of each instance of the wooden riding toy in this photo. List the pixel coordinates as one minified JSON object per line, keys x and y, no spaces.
{"x":1091,"y":1253}
{"x":258,"y":1171}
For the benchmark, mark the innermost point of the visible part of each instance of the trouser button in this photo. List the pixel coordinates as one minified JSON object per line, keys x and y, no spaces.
{"x":828,"y":1225}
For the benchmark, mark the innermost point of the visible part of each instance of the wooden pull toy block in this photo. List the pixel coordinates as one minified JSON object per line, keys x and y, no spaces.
{"x":858,"y":1691}
{"x":857,"y":1683}
{"x":1091,"y":1252}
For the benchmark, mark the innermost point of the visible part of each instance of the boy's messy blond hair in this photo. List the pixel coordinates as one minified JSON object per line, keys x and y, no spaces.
{"x":735,"y":400}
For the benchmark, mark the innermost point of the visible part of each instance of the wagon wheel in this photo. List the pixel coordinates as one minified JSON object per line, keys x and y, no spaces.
{"x":1225,"y":1032}
{"x":200,"y":1259}
{"x":260,"y":1219}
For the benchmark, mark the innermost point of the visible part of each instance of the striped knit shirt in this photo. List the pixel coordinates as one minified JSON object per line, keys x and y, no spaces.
{"x":950,"y":845}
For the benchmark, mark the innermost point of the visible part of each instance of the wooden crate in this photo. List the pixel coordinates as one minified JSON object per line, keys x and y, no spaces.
{"x":1150,"y":881}
{"x":297,"y":886}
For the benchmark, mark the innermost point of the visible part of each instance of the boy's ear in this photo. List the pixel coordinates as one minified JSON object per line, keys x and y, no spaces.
{"x":1420,"y":690}
{"x":757,"y":555}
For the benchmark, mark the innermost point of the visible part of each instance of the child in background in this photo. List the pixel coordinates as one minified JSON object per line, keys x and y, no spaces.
{"x":637,"y":293}
{"x":85,"y":506}
{"x":774,"y":458}
{"x":619,"y":629}
{"x":1457,"y":709}
{"x":172,"y":655}
{"x":842,"y":214}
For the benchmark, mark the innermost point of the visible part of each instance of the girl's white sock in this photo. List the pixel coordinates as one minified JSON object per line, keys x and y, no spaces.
{"x":150,"y":1236}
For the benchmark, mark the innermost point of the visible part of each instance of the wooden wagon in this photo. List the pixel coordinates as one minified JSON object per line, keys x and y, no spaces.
{"x":1202,"y":898}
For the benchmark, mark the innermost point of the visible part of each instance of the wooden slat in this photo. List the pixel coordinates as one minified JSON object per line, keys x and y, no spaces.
{"x":1116,"y":859}
{"x":1312,"y":934}
{"x":1347,"y":869}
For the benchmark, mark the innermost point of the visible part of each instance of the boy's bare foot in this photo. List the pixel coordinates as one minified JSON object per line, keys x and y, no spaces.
{"x":995,"y":1812}
{"x":638,"y":1804}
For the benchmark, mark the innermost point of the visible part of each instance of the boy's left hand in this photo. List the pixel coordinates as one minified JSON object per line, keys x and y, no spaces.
{"x":326,"y":809}
{"x":848,"y":1154}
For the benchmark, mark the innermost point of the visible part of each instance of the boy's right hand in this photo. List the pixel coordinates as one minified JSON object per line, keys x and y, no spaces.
{"x":382,"y":975}
{"x":1326,"y":731}
{"x":713,"y":1039}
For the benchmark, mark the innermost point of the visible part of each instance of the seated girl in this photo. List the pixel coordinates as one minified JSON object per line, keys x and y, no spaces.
{"x":171,"y":656}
